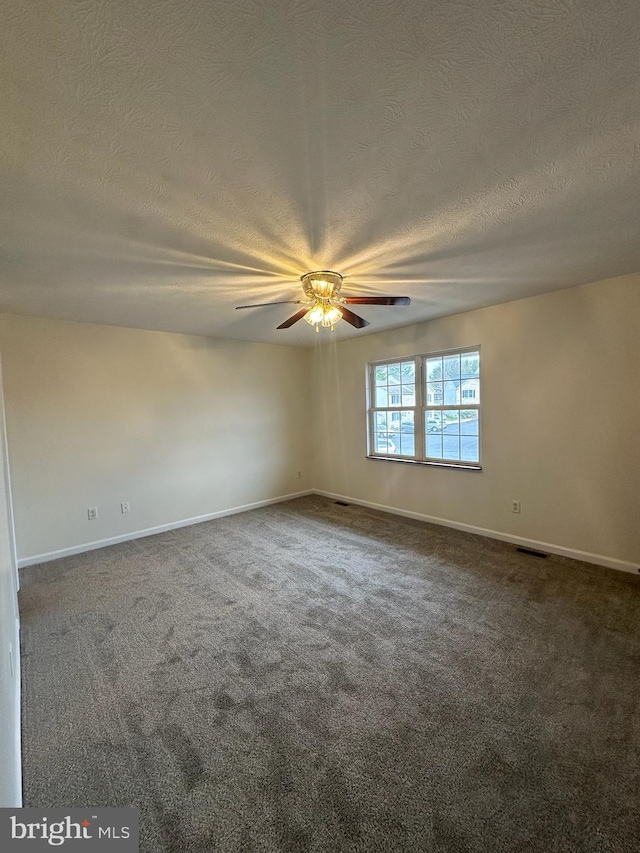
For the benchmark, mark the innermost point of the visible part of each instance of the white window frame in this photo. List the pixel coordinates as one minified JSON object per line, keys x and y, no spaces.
{"x":420,"y":410}
{"x":372,"y":409}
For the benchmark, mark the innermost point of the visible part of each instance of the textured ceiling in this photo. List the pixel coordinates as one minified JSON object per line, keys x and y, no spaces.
{"x":165,"y":160}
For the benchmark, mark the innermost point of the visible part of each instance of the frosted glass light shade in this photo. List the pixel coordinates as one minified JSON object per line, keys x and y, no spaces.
{"x":323,"y":313}
{"x":322,"y":284}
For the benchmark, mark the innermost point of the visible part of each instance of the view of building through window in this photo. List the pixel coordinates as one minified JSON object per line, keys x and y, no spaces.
{"x":426,"y":408}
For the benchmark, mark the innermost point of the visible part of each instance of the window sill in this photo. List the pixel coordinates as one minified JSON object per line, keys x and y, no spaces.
{"x":450,"y":465}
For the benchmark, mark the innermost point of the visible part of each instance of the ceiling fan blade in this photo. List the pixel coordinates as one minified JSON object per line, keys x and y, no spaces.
{"x":377,"y":300}
{"x":353,"y":319}
{"x":293,"y":319}
{"x":263,"y":304}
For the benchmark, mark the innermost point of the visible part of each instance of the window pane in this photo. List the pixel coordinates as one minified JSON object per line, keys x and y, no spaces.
{"x":394,"y":373}
{"x":433,"y":422}
{"x":381,"y":374}
{"x":469,"y":422}
{"x":380,"y":422}
{"x":451,"y":367}
{"x":381,"y":397}
{"x":408,"y":395}
{"x":400,"y":421}
{"x":434,"y":445}
{"x":384,"y":444}
{"x":450,"y":446}
{"x":470,"y":363}
{"x":434,"y":394}
{"x":470,"y":448}
{"x":407,"y":443}
{"x":395,"y":395}
{"x":404,"y":435}
{"x":434,"y":369}
{"x":470,"y":390}
{"x":451,"y":393}
{"x":407,"y":422}
{"x":451,"y":420}
{"x":408,"y":371}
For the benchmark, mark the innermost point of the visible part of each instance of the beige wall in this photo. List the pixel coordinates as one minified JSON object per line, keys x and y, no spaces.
{"x":560,"y":420}
{"x":183,"y":426}
{"x":179,"y":426}
{"x":10,"y":761}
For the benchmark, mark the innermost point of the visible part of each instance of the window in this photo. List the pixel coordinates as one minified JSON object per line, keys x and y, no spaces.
{"x":426,"y":408}
{"x":393,"y":409}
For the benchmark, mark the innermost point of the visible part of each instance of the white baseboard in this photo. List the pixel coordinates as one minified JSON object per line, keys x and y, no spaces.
{"x":151,"y":531}
{"x":585,"y":556}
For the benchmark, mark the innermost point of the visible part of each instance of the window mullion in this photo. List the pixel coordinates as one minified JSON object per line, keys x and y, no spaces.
{"x":418,"y":417}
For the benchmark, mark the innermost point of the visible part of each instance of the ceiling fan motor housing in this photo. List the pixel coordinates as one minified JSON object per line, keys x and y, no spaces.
{"x":321,"y":284}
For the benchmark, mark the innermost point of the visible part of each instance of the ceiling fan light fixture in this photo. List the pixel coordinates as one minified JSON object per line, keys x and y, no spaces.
{"x":322,"y":313}
{"x":322,"y":288}
{"x":324,"y":306}
{"x":315,"y":314}
{"x":331,"y":316}
{"x":321,"y":284}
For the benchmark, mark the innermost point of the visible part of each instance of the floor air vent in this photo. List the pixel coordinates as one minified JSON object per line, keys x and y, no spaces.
{"x":342,"y":503}
{"x":532,"y":553}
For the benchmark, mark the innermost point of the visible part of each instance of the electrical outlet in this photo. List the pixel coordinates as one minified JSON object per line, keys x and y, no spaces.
{"x":515,"y":506}
{"x":125,"y":506}
{"x":92,"y":513}
{"x":299,"y":474}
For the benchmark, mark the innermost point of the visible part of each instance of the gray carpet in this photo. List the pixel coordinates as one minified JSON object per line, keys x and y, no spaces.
{"x":311,"y":677}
